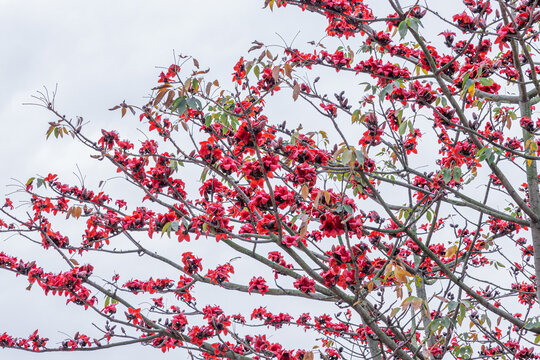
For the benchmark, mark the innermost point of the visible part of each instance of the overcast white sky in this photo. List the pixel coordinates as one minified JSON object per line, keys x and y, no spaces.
{"x":100,"y":53}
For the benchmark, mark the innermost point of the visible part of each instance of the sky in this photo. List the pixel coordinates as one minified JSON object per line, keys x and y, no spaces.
{"x":97,"y":54}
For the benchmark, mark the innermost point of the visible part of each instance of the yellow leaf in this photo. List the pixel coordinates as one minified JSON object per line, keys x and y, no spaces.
{"x":327,"y":197}
{"x":388,"y":269}
{"x":401,"y":274}
{"x":451,"y":251}
{"x":417,"y":303}
{"x":471,"y":90}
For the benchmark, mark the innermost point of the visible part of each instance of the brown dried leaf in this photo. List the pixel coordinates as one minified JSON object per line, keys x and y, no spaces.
{"x":370,"y":286}
{"x":164,"y":86}
{"x":305,"y":192}
{"x":417,"y":303}
{"x":169,"y":100}
{"x":303,"y":230}
{"x":69,"y":212}
{"x":257,"y":45}
{"x":196,"y":63}
{"x":296,"y":91}
{"x":443,"y":299}
{"x":288,"y":70}
{"x":201,"y":72}
{"x":208,"y":87}
{"x":308,"y":355}
{"x":160,"y":96}
{"x":338,"y":152}
{"x":275,"y":73}
{"x":317,"y":199}
{"x":399,"y":292}
{"x":399,"y":277}
{"x":74,"y":262}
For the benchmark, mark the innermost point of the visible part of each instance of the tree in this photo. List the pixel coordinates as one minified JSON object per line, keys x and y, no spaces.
{"x":412,"y":221}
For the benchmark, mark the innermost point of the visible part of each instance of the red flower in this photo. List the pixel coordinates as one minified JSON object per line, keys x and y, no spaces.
{"x":305,"y":284}
{"x":258,"y":284}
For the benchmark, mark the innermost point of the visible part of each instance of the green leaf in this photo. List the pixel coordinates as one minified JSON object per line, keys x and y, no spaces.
{"x":193,"y":103}
{"x":457,"y":173}
{"x":447,"y":175}
{"x":403,"y":29}
{"x":465,"y":80}
{"x":166,"y":229}
{"x":185,"y":223}
{"x":179,"y":104}
{"x":532,"y":324}
{"x":434,"y":325}
{"x":348,"y":208}
{"x":491,"y":158}
{"x":385,"y":91}
{"x":195,"y":84}
{"x":173,"y":165}
{"x":461,"y":314}
{"x":413,"y":23}
{"x":481,"y":153}
{"x":346,"y":157}
{"x":485,"y":154}
{"x":355,"y":116}
{"x":204,"y":173}
{"x":402,"y":128}
{"x":360,"y":157}
{"x":411,"y":127}
{"x":485,"y":81}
